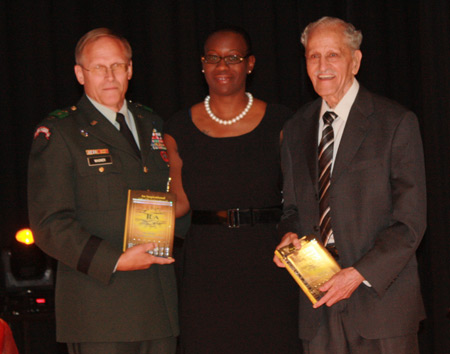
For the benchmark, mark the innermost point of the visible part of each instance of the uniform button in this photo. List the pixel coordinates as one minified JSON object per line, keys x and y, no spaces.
{"x":101,"y":169}
{"x":145,"y":169}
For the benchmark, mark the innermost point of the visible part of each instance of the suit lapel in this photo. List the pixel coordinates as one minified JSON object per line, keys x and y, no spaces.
{"x":354,"y":133}
{"x":304,"y":141}
{"x":94,"y":123}
{"x":310,"y":144}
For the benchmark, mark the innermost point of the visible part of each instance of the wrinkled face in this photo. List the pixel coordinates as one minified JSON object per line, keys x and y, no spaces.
{"x":331,"y":63}
{"x":222,"y":78}
{"x":107,"y":88}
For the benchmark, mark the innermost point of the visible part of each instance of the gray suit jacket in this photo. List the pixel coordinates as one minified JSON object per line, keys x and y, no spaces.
{"x":378,"y":209}
{"x":77,"y":213}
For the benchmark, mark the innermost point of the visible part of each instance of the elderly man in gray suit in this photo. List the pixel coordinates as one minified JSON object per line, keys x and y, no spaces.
{"x":354,"y":173}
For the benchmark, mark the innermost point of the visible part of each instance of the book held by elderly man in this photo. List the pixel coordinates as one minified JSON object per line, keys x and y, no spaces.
{"x":311,"y":265}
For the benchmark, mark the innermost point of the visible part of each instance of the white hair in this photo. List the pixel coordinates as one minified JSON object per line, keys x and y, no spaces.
{"x":352,"y":35}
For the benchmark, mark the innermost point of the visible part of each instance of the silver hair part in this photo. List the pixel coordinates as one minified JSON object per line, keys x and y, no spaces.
{"x":96,"y":34}
{"x":353,"y":36}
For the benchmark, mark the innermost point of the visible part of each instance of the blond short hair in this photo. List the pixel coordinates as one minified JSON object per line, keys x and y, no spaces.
{"x":96,"y":34}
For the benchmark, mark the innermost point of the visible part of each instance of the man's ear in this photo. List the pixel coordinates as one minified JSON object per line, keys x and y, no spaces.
{"x":130,"y":70}
{"x":357,"y":56}
{"x":79,"y":74}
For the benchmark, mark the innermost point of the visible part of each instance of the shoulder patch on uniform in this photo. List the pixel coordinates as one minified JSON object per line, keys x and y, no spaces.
{"x":41,"y":139}
{"x":42,"y":130}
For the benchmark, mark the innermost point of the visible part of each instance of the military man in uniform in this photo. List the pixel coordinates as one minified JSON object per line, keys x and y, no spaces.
{"x":82,"y":163}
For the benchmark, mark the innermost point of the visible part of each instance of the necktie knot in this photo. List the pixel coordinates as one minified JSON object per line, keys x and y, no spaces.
{"x":329,"y":117}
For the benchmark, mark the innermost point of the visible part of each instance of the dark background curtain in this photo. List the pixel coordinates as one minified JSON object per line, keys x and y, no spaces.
{"x":406,"y":55}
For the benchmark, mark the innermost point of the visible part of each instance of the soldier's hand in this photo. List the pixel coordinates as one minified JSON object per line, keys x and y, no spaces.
{"x":288,"y":238}
{"x":137,"y":257}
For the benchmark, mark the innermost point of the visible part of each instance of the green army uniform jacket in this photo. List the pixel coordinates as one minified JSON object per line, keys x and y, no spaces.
{"x":80,"y":170}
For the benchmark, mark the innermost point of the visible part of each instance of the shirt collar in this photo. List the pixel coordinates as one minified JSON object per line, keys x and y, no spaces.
{"x":109,"y":113}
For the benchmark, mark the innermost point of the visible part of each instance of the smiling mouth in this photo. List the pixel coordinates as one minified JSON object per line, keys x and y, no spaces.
{"x":223,"y":78}
{"x":326,"y":76}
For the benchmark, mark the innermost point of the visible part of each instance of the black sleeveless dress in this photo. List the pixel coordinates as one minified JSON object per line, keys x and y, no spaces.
{"x":234,"y":299}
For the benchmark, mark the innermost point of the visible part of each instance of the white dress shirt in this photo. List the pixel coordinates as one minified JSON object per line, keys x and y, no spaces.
{"x":342,"y":110}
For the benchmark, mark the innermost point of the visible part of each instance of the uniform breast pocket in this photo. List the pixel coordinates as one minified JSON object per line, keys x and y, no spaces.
{"x":100,"y":184}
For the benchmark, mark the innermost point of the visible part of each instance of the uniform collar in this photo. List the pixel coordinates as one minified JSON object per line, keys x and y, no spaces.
{"x":109,"y":113}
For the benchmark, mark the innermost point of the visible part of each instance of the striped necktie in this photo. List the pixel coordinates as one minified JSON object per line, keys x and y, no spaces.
{"x":325,"y":164}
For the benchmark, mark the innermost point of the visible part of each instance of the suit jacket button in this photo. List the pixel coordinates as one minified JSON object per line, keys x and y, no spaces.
{"x":316,"y":228}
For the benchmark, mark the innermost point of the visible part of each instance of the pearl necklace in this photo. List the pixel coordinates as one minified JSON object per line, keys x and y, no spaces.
{"x":230,"y":121}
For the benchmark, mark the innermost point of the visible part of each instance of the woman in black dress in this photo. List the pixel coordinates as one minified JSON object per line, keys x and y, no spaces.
{"x":225,"y":167}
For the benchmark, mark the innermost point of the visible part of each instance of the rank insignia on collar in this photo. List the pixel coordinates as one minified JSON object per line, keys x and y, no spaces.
{"x":157,"y":141}
{"x":42,"y":130}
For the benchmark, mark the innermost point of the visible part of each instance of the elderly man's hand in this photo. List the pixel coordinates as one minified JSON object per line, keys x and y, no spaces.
{"x":288,"y":238}
{"x":341,"y":286}
{"x":137,"y":257}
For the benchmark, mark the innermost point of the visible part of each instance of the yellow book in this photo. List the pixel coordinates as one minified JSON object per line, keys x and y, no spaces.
{"x":150,"y":217}
{"x":311,"y":265}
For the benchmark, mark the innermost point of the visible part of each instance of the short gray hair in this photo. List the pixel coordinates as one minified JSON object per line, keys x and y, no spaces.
{"x":96,"y":34}
{"x":354,"y":37}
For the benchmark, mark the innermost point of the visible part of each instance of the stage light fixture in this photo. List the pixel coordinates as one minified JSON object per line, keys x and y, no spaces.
{"x":27,"y":299}
{"x":25,"y":265}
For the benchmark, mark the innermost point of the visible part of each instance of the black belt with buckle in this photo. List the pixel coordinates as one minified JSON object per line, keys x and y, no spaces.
{"x":234,"y":218}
